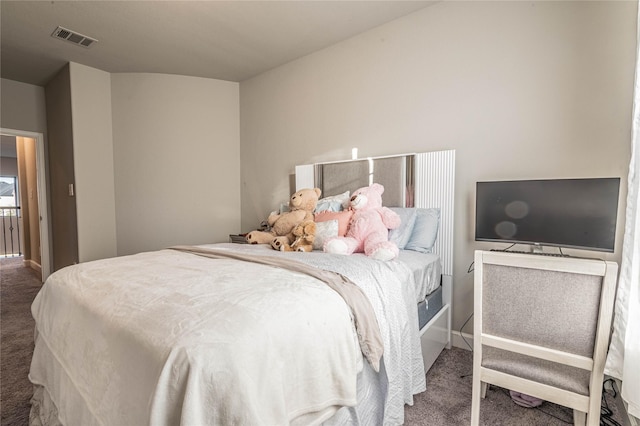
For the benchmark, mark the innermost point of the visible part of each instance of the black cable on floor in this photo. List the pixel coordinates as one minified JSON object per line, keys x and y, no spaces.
{"x":606,"y":415}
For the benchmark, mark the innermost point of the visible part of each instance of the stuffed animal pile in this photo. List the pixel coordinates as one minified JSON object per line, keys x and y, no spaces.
{"x":368,"y":230}
{"x":305,"y":234}
{"x":301,"y":206}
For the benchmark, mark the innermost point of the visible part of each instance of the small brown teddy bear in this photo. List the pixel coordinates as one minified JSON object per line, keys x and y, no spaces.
{"x":305,"y":234}
{"x":301,"y":206}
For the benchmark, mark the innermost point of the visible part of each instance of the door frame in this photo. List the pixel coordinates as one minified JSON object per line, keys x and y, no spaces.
{"x":43,"y":203}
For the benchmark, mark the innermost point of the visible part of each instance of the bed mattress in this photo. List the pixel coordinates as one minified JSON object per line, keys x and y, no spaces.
{"x":427,"y":270}
{"x":429,"y":307}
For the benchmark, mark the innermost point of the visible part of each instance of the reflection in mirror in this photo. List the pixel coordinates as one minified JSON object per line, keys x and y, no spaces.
{"x":394,"y":173}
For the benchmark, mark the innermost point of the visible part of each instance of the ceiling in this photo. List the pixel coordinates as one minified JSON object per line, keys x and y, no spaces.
{"x":226,"y":40}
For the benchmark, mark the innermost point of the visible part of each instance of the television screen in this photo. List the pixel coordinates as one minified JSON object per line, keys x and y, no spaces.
{"x":572,"y":213}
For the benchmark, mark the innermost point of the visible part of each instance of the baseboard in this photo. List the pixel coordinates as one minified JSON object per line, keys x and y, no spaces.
{"x":33,"y":265}
{"x":462,"y":340}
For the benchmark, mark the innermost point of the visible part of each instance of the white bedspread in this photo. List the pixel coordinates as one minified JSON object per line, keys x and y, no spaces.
{"x":391,"y":289}
{"x":169,"y":338}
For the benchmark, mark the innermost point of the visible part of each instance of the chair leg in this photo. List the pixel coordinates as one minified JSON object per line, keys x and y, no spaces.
{"x":476,"y":392}
{"x":595,"y":401}
{"x":483,"y":389}
{"x":579,"y":418}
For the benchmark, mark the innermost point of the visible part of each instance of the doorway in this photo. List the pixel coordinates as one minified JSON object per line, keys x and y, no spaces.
{"x":36,"y":192}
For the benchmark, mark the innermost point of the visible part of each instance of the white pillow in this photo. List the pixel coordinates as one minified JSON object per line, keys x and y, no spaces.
{"x":402,"y":233}
{"x":425,"y":230}
{"x":334,"y":203}
{"x":324,"y":231}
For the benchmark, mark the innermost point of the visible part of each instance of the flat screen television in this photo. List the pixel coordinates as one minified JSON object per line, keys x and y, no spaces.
{"x":571,"y":213}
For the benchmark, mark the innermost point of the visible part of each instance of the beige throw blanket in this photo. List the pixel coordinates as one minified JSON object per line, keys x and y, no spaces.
{"x":364,"y":318}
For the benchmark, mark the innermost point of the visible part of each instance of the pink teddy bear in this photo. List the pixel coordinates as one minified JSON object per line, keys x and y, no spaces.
{"x":368,"y":231}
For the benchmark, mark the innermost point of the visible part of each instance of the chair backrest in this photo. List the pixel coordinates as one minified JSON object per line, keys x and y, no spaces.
{"x":554,"y":308}
{"x":558,"y":310}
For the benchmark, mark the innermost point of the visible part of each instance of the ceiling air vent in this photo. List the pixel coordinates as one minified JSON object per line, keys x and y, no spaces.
{"x":73,"y":37}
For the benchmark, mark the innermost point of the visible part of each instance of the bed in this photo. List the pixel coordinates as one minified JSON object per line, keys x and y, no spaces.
{"x":423,"y":181}
{"x":238,"y":334}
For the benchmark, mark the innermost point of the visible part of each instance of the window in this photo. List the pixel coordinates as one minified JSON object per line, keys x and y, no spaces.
{"x":9,"y":199}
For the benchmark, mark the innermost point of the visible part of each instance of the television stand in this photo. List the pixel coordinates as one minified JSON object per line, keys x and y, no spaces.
{"x":537,"y":253}
{"x":536,"y":249}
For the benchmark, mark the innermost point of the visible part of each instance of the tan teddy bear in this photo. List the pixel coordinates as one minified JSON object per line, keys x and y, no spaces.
{"x":305,"y":234}
{"x":301,"y":206}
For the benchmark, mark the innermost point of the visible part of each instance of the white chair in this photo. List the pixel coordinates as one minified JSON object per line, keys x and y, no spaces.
{"x":541,"y":327}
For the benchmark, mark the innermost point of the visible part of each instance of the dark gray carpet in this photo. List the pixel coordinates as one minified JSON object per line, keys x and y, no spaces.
{"x":19,"y":286}
{"x":447,"y":400}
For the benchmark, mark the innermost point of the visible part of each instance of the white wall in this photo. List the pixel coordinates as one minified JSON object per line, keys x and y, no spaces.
{"x":93,"y":162}
{"x":177,"y":160}
{"x":9,"y":166}
{"x":22,"y":107}
{"x":519,"y":89}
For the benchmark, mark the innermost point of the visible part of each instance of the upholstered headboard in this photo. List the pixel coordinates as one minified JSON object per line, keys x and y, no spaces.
{"x":423,"y":180}
{"x":391,"y":172}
